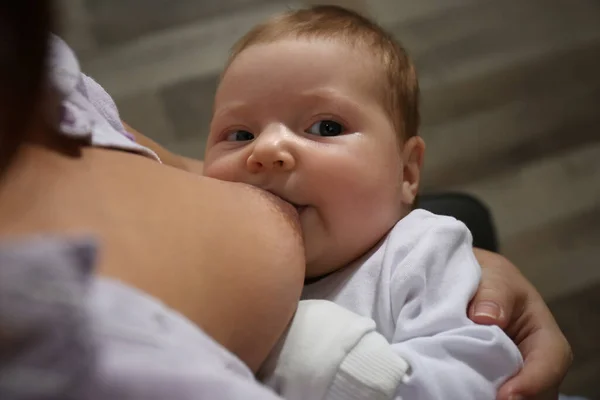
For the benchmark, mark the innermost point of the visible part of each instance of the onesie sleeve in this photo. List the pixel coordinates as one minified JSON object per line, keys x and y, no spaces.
{"x":450,"y":357}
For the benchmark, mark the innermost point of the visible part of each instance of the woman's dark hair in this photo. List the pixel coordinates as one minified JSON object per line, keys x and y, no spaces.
{"x":24,"y":29}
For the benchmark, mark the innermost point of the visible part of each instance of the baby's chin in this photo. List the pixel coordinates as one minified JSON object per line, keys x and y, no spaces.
{"x":322,"y":259}
{"x":319,"y":267}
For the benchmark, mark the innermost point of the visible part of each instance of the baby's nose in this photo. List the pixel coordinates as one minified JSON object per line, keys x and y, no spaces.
{"x":273,"y":151}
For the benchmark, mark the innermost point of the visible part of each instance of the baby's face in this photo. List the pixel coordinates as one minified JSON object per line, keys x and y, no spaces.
{"x":303,"y":120}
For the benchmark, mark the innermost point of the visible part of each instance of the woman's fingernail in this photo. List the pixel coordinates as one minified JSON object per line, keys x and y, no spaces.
{"x":488,"y":309}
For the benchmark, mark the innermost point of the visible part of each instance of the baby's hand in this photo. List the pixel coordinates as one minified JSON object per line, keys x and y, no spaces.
{"x":330,"y":352}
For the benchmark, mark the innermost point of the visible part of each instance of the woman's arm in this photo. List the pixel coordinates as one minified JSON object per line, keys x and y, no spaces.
{"x":167,"y":157}
{"x":505,"y":298}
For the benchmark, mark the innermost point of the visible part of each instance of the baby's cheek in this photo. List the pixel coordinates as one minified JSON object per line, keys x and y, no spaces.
{"x":376,"y":205}
{"x":212,"y":170}
{"x":221,"y":168}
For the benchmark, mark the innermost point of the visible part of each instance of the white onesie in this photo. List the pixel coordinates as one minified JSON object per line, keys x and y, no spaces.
{"x":415,"y":286}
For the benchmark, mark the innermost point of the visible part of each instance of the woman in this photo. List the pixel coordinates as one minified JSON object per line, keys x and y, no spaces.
{"x":176,"y":248}
{"x":189,"y":241}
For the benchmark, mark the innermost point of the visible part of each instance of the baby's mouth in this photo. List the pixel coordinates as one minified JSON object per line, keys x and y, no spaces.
{"x":299,"y":208}
{"x":284,"y":206}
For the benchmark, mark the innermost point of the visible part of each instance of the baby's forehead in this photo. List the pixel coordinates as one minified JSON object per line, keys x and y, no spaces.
{"x":301,"y":65}
{"x":371,"y":77}
{"x":352,"y":53}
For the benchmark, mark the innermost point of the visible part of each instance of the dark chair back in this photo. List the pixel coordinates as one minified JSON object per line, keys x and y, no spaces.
{"x":468,"y":209}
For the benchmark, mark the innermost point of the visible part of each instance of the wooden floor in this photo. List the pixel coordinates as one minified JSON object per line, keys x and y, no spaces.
{"x":511,"y":105}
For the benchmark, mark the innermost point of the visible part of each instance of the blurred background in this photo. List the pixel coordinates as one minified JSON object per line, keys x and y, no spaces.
{"x":511,"y":114}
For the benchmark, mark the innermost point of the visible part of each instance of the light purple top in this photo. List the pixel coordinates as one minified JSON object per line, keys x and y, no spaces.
{"x":87,"y":111}
{"x":66,"y":334}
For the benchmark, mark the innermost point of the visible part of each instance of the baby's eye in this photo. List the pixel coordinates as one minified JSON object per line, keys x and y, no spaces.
{"x":326,"y":127}
{"x":240,"y":136}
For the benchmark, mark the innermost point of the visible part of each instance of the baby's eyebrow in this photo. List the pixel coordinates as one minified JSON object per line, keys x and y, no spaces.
{"x":333,"y":98}
{"x":328,"y":95}
{"x":230,"y":108}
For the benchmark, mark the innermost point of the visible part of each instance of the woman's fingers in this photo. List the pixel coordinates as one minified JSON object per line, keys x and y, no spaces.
{"x":499,"y":294}
{"x":546,"y":353}
{"x":505,"y":298}
{"x":541,"y":375}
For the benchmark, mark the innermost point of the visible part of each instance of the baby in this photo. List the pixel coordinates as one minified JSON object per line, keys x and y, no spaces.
{"x":321,"y":108}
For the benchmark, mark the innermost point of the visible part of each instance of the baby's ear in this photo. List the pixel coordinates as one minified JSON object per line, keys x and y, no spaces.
{"x":413,"y":154}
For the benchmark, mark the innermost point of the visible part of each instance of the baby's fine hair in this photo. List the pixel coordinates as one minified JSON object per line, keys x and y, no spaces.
{"x":399,"y":84}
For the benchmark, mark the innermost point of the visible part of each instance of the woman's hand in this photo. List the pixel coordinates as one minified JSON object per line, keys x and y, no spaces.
{"x":505,"y":298}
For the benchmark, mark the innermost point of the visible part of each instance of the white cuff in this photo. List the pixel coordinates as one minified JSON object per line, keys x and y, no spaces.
{"x":372,"y":370}
{"x":331,"y":353}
